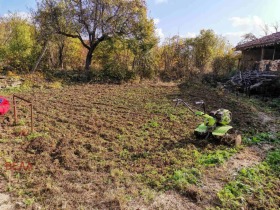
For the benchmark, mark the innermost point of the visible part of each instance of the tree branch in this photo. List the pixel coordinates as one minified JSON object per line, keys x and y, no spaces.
{"x":75,"y":36}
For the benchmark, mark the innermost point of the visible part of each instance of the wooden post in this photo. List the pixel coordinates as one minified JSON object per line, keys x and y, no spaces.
{"x":31,"y":110}
{"x":262,"y":54}
{"x":32,"y":127}
{"x":15,"y":109}
{"x":239,"y":60}
{"x":274,"y":53}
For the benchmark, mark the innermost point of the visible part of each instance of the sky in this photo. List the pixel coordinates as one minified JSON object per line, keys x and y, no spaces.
{"x":229,"y":18}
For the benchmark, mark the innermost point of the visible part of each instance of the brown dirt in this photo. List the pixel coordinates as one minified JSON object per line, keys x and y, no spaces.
{"x":98,"y":148}
{"x":169,"y":200}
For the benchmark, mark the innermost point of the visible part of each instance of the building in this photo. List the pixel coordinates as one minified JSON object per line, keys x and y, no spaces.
{"x":261,"y":54}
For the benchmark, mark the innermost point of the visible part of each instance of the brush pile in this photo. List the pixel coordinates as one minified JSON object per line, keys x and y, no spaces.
{"x":250,"y":80}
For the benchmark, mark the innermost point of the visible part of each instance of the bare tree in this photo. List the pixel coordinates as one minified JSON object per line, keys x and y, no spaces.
{"x":276,"y":26}
{"x":265,"y":29}
{"x":247,"y":38}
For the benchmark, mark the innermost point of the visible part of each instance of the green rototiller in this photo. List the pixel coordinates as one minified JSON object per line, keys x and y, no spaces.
{"x":215,"y":124}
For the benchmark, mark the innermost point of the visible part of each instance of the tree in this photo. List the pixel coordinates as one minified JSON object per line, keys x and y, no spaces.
{"x":206,"y":46}
{"x":276,"y":26}
{"x":175,"y":56}
{"x":17,"y":41}
{"x":92,"y":21}
{"x":185,"y":57}
{"x":247,"y":38}
{"x":265,"y":29}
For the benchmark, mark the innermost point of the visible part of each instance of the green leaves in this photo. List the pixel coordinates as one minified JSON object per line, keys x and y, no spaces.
{"x":273,"y":159}
{"x":209,"y":120}
{"x":202,"y":128}
{"x":184,"y":177}
{"x":199,"y":113}
{"x":18,"y":37}
{"x":221,"y":130}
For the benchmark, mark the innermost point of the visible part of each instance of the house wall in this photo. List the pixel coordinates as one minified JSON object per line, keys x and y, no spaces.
{"x":251,"y":59}
{"x":269,"y":64}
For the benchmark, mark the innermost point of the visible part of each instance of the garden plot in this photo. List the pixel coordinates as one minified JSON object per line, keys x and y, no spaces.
{"x":107,"y":146}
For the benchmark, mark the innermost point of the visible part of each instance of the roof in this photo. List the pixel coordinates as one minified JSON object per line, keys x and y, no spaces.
{"x":261,"y":42}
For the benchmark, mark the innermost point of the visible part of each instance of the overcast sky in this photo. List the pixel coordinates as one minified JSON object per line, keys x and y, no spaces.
{"x":230,"y":18}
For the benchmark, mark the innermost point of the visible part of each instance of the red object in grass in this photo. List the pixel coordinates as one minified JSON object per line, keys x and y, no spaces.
{"x":4,"y":105}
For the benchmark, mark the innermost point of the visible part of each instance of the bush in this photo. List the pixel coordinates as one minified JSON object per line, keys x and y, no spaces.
{"x":116,"y":73}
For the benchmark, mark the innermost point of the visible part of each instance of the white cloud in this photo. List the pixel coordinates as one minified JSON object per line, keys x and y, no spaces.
{"x":156,"y":21}
{"x":246,"y":21}
{"x":234,"y":37}
{"x":250,"y":24}
{"x":161,"y":1}
{"x":191,"y":35}
{"x":160,"y":34}
{"x":244,"y":25}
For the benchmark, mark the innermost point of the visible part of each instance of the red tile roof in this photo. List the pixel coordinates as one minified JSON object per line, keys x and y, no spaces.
{"x":263,"y":41}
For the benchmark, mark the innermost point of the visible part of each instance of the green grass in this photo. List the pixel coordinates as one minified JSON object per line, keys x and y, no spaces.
{"x":185,"y":176}
{"x":217,"y":157}
{"x":254,"y":187}
{"x":264,"y":137}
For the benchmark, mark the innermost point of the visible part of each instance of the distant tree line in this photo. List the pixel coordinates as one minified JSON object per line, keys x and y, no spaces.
{"x":106,"y":39}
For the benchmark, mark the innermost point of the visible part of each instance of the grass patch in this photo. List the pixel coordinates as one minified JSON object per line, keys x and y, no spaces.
{"x":184,"y":177}
{"x":218,"y":157}
{"x":255,"y":187}
{"x":264,"y":137}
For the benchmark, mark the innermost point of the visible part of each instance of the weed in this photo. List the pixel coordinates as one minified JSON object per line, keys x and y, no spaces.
{"x":116,"y":172}
{"x":173,"y":118}
{"x":125,"y":154}
{"x":150,"y":125}
{"x":217,"y":157}
{"x":184,"y":177}
{"x":29,"y":201}
{"x":55,"y":85}
{"x":4,"y":140}
{"x":148,"y":194}
{"x":262,"y":137}
{"x":273,"y":159}
{"x":35,"y":135}
{"x":21,"y":122}
{"x":254,"y":186}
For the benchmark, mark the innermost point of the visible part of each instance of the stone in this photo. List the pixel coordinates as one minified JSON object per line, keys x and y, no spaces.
{"x":238,"y":140}
{"x":4,"y":198}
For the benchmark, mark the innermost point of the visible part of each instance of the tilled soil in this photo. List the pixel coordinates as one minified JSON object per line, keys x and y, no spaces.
{"x":94,"y":141}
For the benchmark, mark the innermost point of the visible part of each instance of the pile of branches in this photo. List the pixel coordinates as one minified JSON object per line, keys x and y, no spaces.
{"x":253,"y":80}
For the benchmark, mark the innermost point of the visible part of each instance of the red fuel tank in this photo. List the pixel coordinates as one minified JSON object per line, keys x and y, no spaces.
{"x":4,"y":105}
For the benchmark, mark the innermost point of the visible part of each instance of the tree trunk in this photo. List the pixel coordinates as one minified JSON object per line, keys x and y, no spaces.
{"x":61,"y":56}
{"x":88,"y":63}
{"x":88,"y":59}
{"x":40,"y":57}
